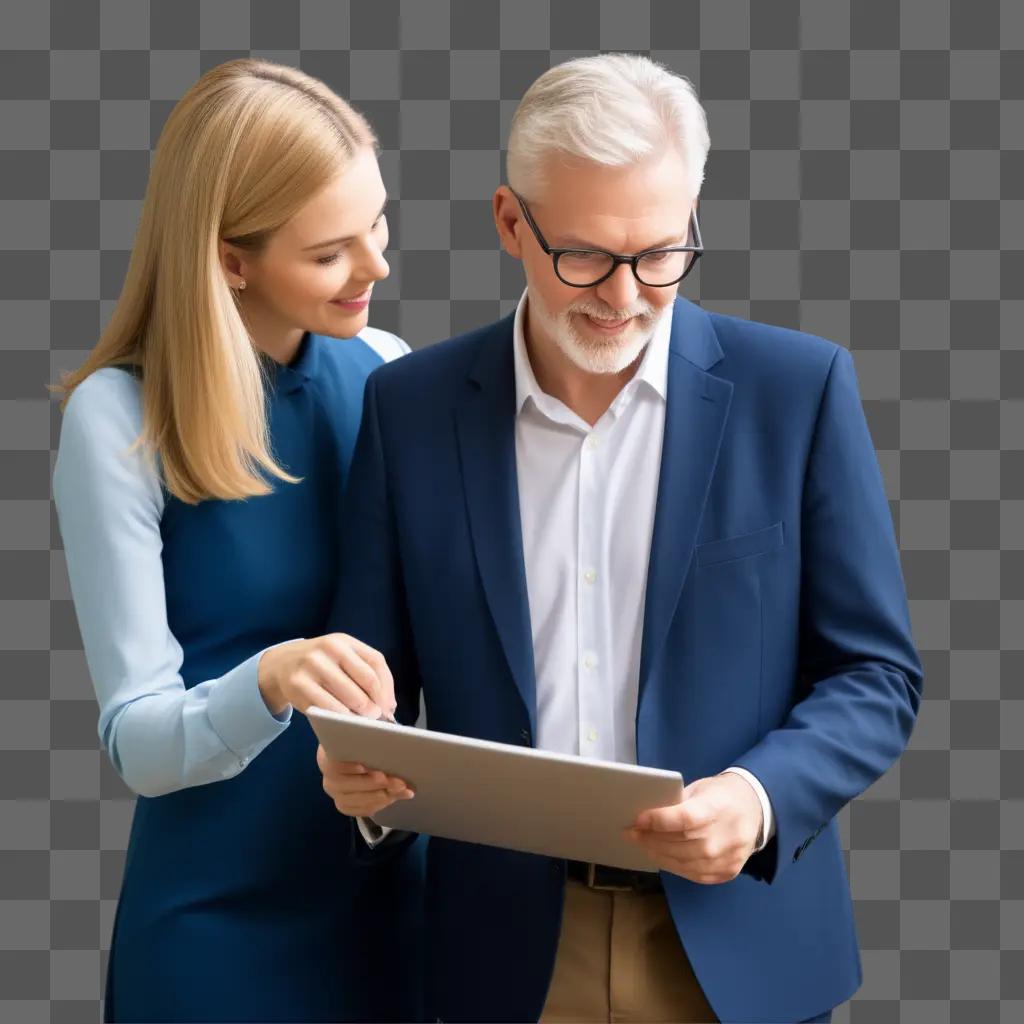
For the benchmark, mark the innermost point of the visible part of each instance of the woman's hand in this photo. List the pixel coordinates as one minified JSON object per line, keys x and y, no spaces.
{"x":336,"y":672}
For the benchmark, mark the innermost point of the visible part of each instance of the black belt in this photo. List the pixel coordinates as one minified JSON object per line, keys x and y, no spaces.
{"x":603,"y":876}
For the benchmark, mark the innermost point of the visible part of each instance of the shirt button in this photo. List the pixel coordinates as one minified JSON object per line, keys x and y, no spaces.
{"x":590,"y":661}
{"x":590,"y":575}
{"x":592,"y":735}
{"x":592,"y":441}
{"x":243,"y":762}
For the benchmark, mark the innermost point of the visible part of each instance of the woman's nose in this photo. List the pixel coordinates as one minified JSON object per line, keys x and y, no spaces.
{"x":373,"y":266}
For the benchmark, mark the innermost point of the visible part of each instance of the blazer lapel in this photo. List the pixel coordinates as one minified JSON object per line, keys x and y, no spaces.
{"x":695,"y":416}
{"x":485,"y":424}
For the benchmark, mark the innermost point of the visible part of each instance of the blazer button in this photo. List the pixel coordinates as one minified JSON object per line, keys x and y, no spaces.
{"x":524,"y":735}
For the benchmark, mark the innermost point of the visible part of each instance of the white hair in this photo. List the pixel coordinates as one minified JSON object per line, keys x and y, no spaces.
{"x":612,"y":109}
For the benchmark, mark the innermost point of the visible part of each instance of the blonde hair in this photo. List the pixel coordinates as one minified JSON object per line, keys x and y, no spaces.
{"x":241,"y":152}
{"x":610,"y":108}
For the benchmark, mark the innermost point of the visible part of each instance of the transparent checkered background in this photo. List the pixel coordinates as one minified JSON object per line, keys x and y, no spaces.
{"x":866,"y":183}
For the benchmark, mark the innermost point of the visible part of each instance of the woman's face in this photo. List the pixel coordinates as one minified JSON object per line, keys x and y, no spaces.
{"x":318,"y":270}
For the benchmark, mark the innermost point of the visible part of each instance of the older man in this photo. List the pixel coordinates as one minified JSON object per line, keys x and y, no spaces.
{"x":616,"y":525}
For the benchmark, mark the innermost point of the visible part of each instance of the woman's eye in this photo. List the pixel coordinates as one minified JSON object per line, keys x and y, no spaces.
{"x":327,"y":260}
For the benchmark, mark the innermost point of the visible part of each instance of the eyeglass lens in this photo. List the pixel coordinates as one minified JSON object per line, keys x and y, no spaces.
{"x":656,"y":268}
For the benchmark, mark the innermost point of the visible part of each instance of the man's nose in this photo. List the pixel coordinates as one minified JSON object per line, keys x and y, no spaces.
{"x":620,"y":290}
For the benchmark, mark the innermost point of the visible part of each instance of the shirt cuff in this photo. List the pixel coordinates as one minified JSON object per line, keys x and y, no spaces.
{"x":373,"y":833}
{"x":238,"y":712}
{"x":768,"y":826}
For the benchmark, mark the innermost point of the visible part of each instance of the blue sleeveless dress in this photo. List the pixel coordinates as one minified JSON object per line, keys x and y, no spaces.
{"x":239,"y":900}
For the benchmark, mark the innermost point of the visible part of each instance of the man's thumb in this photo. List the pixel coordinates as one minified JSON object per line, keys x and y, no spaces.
{"x":691,"y":789}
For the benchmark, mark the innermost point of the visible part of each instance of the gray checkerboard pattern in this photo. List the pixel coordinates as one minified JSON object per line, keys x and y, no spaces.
{"x":866,"y":183}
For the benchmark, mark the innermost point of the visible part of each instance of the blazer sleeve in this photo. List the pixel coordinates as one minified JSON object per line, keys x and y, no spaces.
{"x":860,"y":674}
{"x":370,"y":602}
{"x":160,"y":736}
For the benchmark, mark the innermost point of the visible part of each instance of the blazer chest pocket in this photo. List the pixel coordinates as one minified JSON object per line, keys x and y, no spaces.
{"x":768,"y":538}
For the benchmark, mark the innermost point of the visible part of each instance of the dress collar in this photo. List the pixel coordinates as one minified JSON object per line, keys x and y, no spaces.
{"x":288,"y":377}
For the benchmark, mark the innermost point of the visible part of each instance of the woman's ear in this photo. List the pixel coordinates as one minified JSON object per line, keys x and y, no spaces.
{"x":232,"y":264}
{"x":507,"y":216}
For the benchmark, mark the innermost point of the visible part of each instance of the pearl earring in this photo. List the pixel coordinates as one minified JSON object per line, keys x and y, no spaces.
{"x":241,"y":286}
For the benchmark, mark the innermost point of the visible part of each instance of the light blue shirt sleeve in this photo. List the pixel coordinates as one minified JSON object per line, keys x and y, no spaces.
{"x":160,"y":736}
{"x":387,"y":345}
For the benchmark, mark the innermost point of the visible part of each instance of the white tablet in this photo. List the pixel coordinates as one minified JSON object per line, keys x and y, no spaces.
{"x":504,"y":795}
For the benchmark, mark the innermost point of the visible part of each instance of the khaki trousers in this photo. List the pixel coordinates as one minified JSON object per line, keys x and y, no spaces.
{"x":620,"y":959}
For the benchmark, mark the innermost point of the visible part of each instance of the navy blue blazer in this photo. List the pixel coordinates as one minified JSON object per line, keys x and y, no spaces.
{"x":776,"y":637}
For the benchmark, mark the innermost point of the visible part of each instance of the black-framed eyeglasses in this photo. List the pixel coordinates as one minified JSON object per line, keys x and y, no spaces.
{"x":584,"y":268}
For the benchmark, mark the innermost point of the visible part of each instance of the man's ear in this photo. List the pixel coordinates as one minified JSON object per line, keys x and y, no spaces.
{"x":507,"y":220}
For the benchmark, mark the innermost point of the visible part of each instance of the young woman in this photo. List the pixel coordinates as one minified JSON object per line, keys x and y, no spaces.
{"x":202,"y":456}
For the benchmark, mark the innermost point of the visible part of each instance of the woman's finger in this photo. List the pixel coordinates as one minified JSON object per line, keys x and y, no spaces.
{"x":341,"y":686}
{"x":379,"y":664}
{"x":307,"y":692}
{"x":348,"y":658}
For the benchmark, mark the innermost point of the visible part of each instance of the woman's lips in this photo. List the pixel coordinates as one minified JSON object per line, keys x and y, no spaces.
{"x":356,"y":302}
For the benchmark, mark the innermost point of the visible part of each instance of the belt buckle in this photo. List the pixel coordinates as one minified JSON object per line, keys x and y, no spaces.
{"x":591,"y":876}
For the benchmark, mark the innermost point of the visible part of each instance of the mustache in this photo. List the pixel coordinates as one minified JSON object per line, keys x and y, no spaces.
{"x":644,"y":312}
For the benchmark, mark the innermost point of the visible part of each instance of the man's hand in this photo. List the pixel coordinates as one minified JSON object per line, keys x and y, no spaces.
{"x":357,"y":791}
{"x":708,"y":836}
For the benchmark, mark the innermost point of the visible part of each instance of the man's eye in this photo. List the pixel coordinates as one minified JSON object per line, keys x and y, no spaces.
{"x":656,"y":257}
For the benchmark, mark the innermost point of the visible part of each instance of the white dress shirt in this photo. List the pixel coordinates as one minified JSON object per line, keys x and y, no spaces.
{"x":587,"y":498}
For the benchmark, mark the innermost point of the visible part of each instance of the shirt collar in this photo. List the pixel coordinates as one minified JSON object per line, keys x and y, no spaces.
{"x":653,"y":368}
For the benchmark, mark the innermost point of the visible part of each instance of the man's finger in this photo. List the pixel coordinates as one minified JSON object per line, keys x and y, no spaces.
{"x":326,"y":764}
{"x":690,"y":817}
{"x":686,"y":850}
{"x":363,"y":784}
{"x":363,"y":807}
{"x":696,"y":869}
{"x":674,"y":838}
{"x":360,"y":781}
